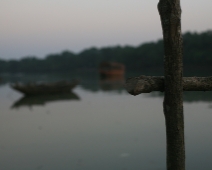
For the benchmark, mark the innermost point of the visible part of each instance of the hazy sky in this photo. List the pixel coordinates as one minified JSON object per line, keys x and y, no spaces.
{"x":40,"y":27}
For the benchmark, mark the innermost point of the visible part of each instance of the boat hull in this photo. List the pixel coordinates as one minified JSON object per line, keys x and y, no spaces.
{"x":45,"y":88}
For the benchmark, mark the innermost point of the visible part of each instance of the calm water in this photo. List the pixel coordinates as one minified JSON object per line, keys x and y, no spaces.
{"x":99,"y":127}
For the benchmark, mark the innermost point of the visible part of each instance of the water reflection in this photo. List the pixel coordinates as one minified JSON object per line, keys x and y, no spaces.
{"x":112,"y":83}
{"x":43,"y":99}
{"x":1,"y":81}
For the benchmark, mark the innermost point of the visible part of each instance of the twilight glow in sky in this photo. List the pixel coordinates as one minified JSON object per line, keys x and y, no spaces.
{"x":41,"y":27}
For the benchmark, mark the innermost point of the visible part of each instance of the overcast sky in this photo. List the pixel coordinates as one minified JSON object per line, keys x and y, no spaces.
{"x":41,"y":27}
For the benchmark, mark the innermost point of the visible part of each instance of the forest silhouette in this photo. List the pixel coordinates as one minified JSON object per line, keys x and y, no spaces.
{"x":197,"y":53}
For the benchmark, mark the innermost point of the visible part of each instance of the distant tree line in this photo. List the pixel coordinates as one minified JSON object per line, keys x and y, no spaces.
{"x":197,"y":54}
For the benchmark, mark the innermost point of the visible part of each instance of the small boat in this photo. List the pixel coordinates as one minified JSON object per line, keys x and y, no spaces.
{"x":30,"y":89}
{"x":111,"y":69}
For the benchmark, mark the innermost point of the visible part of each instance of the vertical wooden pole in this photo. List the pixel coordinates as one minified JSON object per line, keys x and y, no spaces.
{"x":170,"y":14}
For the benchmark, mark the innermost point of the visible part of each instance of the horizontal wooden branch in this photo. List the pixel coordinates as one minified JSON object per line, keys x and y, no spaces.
{"x":147,"y":84}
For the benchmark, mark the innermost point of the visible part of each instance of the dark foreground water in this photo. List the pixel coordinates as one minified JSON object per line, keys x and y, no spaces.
{"x":98,"y":127}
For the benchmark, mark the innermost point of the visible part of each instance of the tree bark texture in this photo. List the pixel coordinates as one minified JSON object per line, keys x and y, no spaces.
{"x":147,"y":84}
{"x":170,"y":14}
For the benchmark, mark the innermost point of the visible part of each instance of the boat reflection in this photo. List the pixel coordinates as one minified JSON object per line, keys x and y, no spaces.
{"x":30,"y":101}
{"x":112,"y":83}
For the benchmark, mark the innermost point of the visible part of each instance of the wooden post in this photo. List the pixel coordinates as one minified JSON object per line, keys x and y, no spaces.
{"x":170,"y":14}
{"x":147,"y":84}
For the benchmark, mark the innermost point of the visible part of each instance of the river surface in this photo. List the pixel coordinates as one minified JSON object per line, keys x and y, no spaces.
{"x":98,"y":127}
